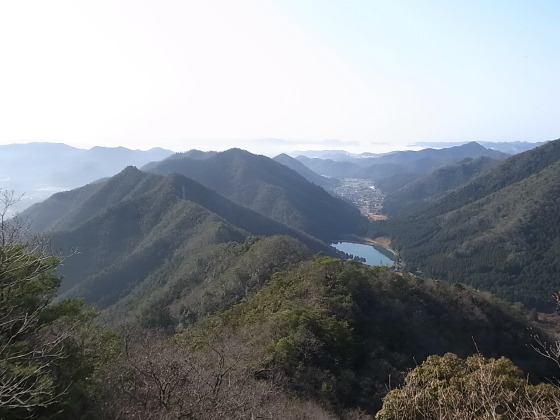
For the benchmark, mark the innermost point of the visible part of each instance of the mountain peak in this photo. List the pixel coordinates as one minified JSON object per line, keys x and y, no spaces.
{"x":472,"y":145}
{"x":131,"y":169}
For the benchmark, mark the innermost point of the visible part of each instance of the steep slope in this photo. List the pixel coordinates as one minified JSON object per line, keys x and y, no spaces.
{"x":304,"y":171}
{"x":70,"y":208}
{"x":406,"y":198}
{"x":394,"y":182}
{"x":202,"y":280}
{"x":134,"y":224}
{"x":270,"y":188}
{"x":499,"y":232}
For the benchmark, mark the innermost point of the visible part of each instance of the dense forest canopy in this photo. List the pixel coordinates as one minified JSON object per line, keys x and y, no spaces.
{"x":497,"y":232}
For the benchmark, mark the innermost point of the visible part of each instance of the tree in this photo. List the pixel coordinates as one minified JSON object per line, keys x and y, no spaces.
{"x":160,"y":377}
{"x":27,"y":285}
{"x":448,"y":387}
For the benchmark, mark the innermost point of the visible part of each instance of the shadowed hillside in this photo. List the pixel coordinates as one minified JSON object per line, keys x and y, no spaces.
{"x":270,"y":188}
{"x":409,"y":196}
{"x":341,"y":331}
{"x":307,"y":173}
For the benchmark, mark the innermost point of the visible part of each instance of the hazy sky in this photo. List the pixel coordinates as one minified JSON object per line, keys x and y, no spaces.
{"x":341,"y":74}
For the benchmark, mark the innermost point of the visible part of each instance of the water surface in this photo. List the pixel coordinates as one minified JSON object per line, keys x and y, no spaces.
{"x":373,"y":255}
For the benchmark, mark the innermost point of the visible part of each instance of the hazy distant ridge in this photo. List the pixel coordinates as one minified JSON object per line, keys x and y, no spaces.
{"x":399,"y":162}
{"x":39,"y":169}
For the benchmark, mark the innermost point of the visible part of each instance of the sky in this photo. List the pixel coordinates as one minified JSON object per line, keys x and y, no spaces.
{"x":278,"y":75}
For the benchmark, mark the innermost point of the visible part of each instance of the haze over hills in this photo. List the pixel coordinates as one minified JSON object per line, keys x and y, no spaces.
{"x":498,"y":232}
{"x":338,"y":155}
{"x":400,"y":162}
{"x":38,"y":170}
{"x":304,"y":171}
{"x":270,"y":188}
{"x":468,"y":150}
{"x":509,"y":147}
{"x":52,"y":167}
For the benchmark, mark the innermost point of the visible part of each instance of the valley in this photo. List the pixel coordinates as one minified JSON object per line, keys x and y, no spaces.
{"x":279,"y":210}
{"x":206,"y":265}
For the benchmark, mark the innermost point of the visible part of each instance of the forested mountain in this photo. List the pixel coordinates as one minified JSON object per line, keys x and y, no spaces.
{"x":40,"y":169}
{"x":304,"y":171}
{"x":394,"y":182}
{"x":499,"y":232}
{"x":138,"y":227}
{"x":339,"y":330}
{"x":222,"y":312}
{"x":407,"y":197}
{"x":203,"y":291}
{"x":270,"y":188}
{"x":401,"y":162}
{"x":191,"y":154}
{"x":322,"y":339}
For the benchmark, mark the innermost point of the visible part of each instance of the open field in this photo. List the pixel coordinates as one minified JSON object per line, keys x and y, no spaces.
{"x":374,"y":216}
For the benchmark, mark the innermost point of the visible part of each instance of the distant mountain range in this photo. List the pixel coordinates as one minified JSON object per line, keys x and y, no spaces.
{"x":509,"y":147}
{"x":500,"y":231}
{"x":398,"y":163}
{"x":40,"y":169}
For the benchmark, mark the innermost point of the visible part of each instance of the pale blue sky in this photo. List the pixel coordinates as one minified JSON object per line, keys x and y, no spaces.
{"x":375,"y":75}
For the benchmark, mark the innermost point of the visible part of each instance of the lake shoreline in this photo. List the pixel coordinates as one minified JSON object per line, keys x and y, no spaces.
{"x":382,"y":242}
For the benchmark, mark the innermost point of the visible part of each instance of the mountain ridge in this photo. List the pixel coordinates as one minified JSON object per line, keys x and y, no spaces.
{"x":395,"y":163}
{"x":130,"y":225}
{"x":270,"y":188}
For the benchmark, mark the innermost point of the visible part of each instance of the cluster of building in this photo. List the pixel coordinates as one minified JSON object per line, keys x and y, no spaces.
{"x":363,"y":194}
